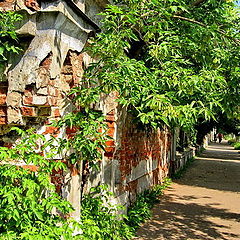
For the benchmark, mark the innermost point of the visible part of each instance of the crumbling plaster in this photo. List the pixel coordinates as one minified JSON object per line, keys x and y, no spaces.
{"x":56,"y":29}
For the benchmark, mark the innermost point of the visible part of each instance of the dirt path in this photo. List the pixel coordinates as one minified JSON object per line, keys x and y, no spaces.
{"x":204,"y":203}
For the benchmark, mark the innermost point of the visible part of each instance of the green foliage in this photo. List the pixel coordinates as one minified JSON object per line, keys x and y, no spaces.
{"x":89,"y":139}
{"x":8,"y":36}
{"x":232,"y":141}
{"x":171,"y":62}
{"x":100,"y":219}
{"x":141,"y":208}
{"x":237,"y":146}
{"x":27,"y":198}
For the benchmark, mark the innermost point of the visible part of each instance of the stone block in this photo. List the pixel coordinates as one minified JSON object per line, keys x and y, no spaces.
{"x":14,"y":116}
{"x":144,"y":167}
{"x":144,"y":183}
{"x":14,"y":99}
{"x":39,"y":100}
{"x":43,"y":91}
{"x":42,"y":79}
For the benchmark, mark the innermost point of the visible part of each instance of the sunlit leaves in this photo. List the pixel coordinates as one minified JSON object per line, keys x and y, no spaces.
{"x":8,"y":35}
{"x":182,"y":72}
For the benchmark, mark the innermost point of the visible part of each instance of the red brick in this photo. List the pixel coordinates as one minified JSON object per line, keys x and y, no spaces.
{"x":74,"y":170}
{"x":71,"y":130}
{"x":3,"y":90}
{"x":52,"y":101}
{"x":3,"y":111}
{"x":67,"y":69}
{"x":110,"y":132}
{"x":52,"y":82}
{"x":28,"y":100}
{"x":110,"y":118}
{"x":46,"y":62}
{"x":110,"y":149}
{"x":3,"y":120}
{"x":6,"y":6}
{"x":51,"y":130}
{"x":52,"y":91}
{"x":110,"y":124}
{"x":32,"y":4}
{"x":8,"y":145}
{"x":108,"y":154}
{"x":110,"y":143}
{"x":28,"y":111}
{"x":30,"y":167}
{"x":3,"y":99}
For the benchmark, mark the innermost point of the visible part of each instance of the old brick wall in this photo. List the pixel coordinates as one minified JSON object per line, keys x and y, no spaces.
{"x":143,"y":156}
{"x":136,"y":158}
{"x":35,"y":93}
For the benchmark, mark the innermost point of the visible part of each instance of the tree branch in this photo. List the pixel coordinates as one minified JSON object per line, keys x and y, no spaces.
{"x":237,"y":41}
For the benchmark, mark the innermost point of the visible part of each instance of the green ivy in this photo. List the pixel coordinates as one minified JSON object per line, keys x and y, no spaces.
{"x":237,"y":146}
{"x":89,"y":139}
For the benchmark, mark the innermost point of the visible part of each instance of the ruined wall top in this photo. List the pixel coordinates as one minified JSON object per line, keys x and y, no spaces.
{"x":51,"y":32}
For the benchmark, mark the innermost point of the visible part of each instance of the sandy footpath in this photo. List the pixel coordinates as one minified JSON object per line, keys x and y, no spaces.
{"x":204,"y":203}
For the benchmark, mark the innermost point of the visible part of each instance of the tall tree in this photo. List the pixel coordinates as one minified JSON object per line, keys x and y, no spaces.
{"x":172,"y":61}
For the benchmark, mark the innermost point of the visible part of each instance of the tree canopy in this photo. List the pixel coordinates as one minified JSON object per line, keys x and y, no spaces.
{"x":172,"y":61}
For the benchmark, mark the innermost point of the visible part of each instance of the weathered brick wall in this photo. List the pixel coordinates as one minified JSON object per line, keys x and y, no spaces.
{"x":35,"y":92}
{"x":142,"y":155}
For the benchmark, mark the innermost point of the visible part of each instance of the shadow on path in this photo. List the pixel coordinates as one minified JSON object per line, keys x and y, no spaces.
{"x":204,"y":204}
{"x":217,"y":168}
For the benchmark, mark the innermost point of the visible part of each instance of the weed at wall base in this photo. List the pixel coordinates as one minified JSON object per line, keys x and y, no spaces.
{"x":140,"y":210}
{"x":100,"y":219}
